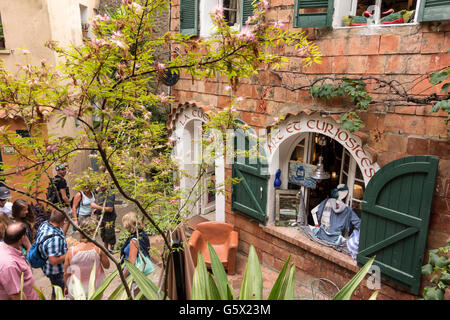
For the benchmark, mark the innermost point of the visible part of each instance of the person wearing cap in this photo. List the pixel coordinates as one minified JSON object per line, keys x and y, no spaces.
{"x":5,"y":205}
{"x":63,"y":199}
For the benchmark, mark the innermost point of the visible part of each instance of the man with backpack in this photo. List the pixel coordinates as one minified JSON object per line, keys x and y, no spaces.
{"x":53,"y":249}
{"x":58,"y":192}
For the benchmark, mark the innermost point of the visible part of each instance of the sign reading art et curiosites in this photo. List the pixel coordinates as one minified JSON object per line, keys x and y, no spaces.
{"x":327,"y":127}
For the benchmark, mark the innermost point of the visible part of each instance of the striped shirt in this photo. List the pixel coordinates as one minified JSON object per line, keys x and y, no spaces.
{"x":52,"y":247}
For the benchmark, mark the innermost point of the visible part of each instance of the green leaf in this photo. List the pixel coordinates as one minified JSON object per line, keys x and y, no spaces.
{"x":275,"y":293}
{"x":251,"y":288}
{"x":347,"y":291}
{"x":220,"y":275}
{"x":427,"y":269}
{"x":374,"y":295}
{"x":91,"y":287}
{"x":59,"y":295}
{"x":77,"y":289}
{"x":438,"y":77}
{"x":119,"y":293}
{"x":39,"y":292}
{"x":101,"y":289}
{"x":200,"y":281}
{"x":433,"y":293}
{"x":438,"y":261}
{"x":148,"y":288}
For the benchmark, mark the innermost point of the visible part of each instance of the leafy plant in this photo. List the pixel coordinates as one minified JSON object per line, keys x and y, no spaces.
{"x":355,"y":90}
{"x":215,"y":286}
{"x":438,"y":78}
{"x":438,"y":266}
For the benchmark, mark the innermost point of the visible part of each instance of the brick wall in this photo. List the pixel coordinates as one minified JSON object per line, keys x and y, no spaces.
{"x":394,"y":129}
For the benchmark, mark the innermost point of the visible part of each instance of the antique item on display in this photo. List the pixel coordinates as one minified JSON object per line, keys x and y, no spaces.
{"x":277,"y":182}
{"x":320,"y":173}
{"x":301,"y":174}
{"x":286,"y":204}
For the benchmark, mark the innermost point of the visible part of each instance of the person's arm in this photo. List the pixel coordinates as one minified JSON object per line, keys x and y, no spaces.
{"x":56,"y":260}
{"x":66,"y":270}
{"x":63,"y":194}
{"x":104,"y":259}
{"x":26,"y":243}
{"x":76,"y":202}
{"x":133,"y":251}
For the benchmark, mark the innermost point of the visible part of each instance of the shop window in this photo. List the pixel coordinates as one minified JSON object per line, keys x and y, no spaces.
{"x":352,"y":13}
{"x":337,"y":162}
{"x":2,"y":35}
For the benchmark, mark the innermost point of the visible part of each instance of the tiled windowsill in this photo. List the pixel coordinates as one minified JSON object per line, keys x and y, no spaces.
{"x":295,"y":237}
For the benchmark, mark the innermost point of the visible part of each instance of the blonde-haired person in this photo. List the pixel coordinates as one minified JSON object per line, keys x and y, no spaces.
{"x":80,"y":260}
{"x":138,"y":239}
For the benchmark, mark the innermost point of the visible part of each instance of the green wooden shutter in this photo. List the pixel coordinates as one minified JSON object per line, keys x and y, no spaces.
{"x":434,"y":10}
{"x":249,"y":196}
{"x":315,"y":19}
{"x":246,"y":10}
{"x":189,"y":17}
{"x":395,"y":216}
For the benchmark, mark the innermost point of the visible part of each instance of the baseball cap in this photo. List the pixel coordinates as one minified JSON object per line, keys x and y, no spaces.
{"x":4,"y":193}
{"x":60,"y":167}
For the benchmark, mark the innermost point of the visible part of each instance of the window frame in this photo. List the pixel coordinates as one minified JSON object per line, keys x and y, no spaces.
{"x":2,"y":35}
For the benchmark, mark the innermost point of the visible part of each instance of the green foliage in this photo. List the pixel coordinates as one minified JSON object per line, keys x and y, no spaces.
{"x":438,"y":265}
{"x":437,"y":78}
{"x":355,"y":90}
{"x":215,"y":286}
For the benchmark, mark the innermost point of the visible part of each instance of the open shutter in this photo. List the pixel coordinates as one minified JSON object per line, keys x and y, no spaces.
{"x":246,"y":10}
{"x":249,"y":196}
{"x":434,"y":10}
{"x":189,"y":17}
{"x":395,"y":216}
{"x":313,"y":13}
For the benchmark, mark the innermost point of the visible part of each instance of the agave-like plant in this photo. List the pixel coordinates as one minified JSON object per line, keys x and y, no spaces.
{"x":148,"y":289}
{"x":215,"y":286}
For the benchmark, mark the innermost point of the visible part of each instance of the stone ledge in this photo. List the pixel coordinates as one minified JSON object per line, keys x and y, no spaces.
{"x":296,"y":238}
{"x":5,"y":51}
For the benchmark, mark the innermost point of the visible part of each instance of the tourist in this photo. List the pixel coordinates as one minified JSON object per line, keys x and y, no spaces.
{"x":13,"y":265}
{"x":5,"y":205}
{"x":20,"y":213}
{"x":105,"y":205}
{"x":80,"y":260}
{"x":59,"y":193}
{"x":81,"y":207}
{"x":54,"y":248}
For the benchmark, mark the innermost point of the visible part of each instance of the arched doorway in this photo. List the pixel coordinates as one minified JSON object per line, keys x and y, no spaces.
{"x":200,"y":195}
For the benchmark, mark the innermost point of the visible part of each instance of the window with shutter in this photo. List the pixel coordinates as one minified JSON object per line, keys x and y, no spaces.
{"x":434,"y":10}
{"x":395,"y":217}
{"x":2,"y":36}
{"x":246,"y":10}
{"x":313,"y":13}
{"x":249,"y":196}
{"x":189,"y":17}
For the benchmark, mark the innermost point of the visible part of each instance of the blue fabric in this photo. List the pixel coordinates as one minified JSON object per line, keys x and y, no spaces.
{"x":52,"y":247}
{"x":339,"y":223}
{"x":353,"y":243}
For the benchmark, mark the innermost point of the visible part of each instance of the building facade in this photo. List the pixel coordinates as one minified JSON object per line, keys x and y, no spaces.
{"x":396,"y":168}
{"x":66,"y":22}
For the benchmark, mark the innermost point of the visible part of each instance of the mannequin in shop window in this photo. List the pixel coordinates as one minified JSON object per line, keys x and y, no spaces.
{"x":335,"y":217}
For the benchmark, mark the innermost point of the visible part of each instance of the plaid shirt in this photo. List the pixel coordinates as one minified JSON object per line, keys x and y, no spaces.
{"x":52,"y":247}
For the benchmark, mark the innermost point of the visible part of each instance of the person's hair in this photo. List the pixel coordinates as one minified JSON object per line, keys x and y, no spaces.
{"x":17,"y":208}
{"x":4,"y":223}
{"x":14,"y":232}
{"x":57,"y":216}
{"x":88,"y":225}
{"x":129,"y":222}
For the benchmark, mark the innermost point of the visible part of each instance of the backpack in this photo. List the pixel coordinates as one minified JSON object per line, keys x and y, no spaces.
{"x":52,"y":193}
{"x":34,"y":256}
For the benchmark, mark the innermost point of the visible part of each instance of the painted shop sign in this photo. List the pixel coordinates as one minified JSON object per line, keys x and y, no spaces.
{"x":331,"y":129}
{"x":192,"y":113}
